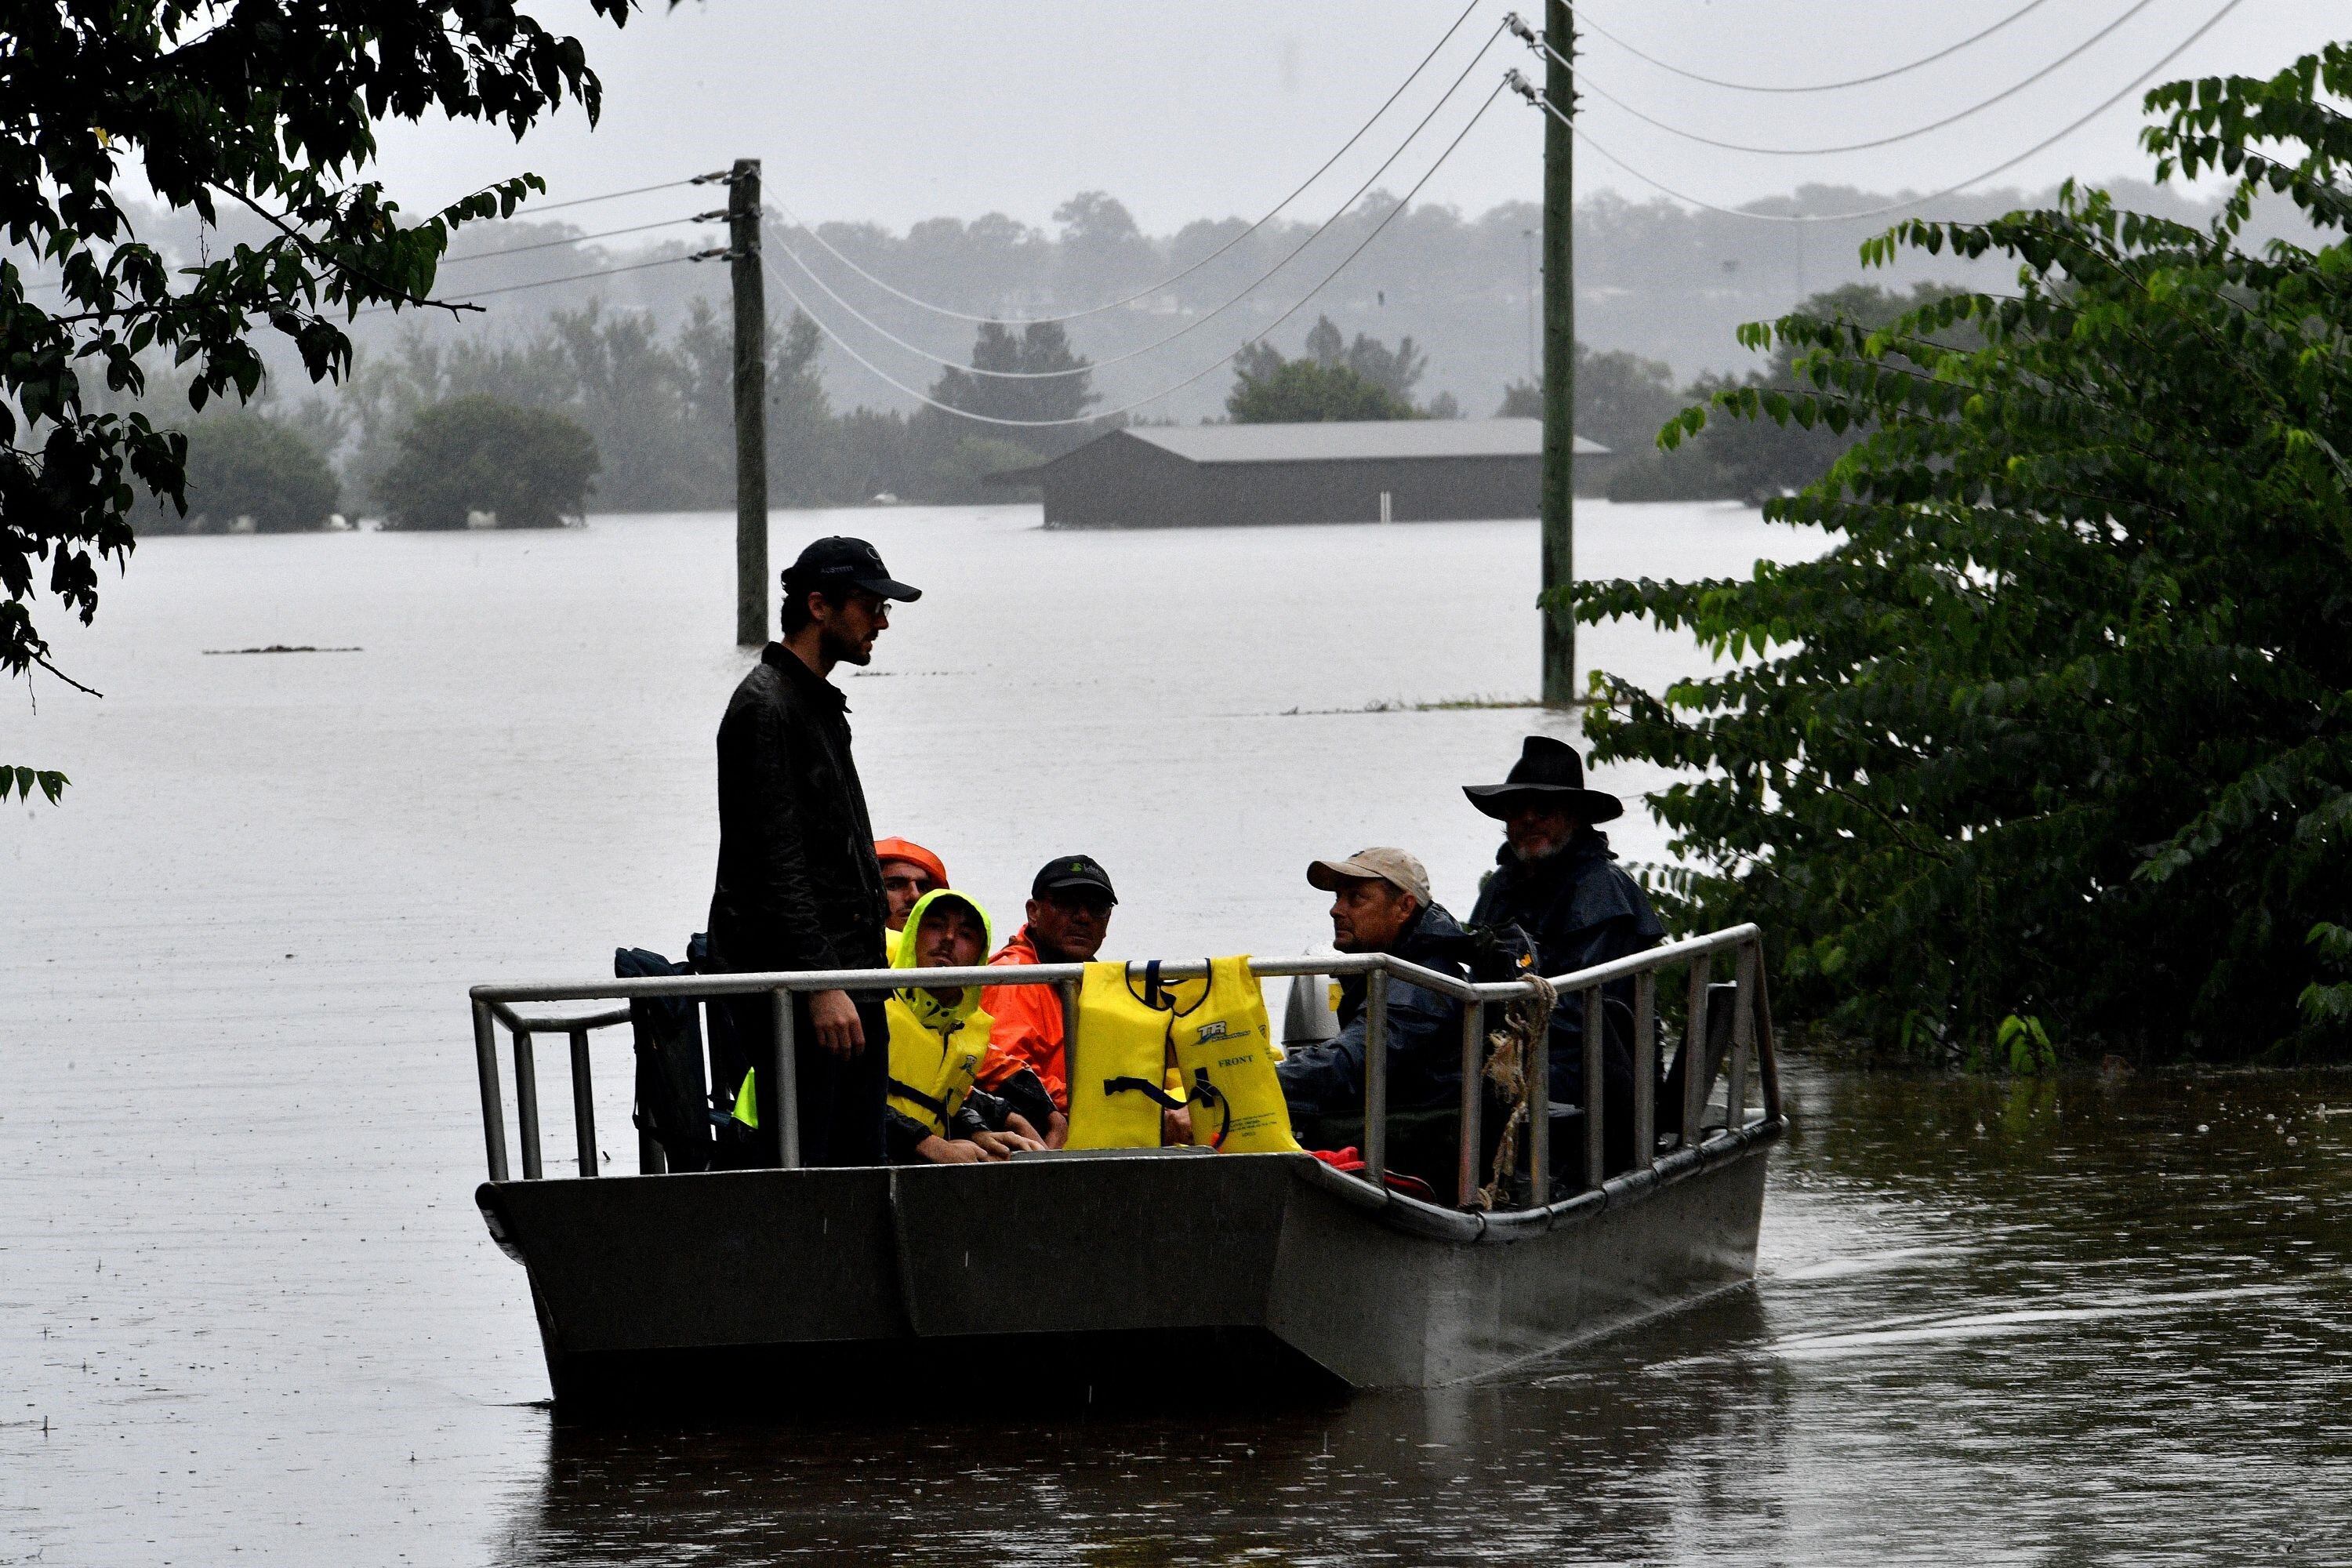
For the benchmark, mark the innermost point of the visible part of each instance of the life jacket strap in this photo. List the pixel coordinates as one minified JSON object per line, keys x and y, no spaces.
{"x":938,"y":1107}
{"x":1146,"y":1088}
{"x":1207,"y":1093}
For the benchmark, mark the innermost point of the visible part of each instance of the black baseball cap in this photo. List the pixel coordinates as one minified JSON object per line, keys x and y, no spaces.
{"x":1069,"y":872}
{"x":838,"y":562}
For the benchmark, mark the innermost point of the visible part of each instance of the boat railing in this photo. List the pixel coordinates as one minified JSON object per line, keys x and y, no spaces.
{"x":1749,"y":1049}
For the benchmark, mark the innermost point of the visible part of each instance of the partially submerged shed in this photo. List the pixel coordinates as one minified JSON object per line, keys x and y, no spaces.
{"x":1377,"y":470}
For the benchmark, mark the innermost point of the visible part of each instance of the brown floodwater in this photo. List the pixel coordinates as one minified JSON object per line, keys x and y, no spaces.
{"x":248,"y":1311}
{"x":2058,"y":1323}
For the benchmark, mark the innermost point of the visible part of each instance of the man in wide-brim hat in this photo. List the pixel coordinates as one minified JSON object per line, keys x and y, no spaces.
{"x":1555,"y":878}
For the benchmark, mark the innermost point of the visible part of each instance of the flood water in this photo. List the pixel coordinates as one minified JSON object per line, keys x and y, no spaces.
{"x":248,"y":1311}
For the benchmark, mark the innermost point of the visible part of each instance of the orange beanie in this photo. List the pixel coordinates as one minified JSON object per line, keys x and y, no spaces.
{"x":907,"y":850}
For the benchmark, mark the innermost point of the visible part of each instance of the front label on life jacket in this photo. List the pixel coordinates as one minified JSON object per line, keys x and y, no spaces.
{"x":1226,"y":1052}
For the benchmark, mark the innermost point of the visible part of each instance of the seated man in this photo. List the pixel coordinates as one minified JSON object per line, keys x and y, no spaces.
{"x":1381,"y":903}
{"x":1069,"y":908}
{"x":939,"y":1038}
{"x":1555,"y":878}
{"x":909,"y":871}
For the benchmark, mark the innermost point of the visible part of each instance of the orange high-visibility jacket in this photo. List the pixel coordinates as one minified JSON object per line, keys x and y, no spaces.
{"x":1028,"y":1028}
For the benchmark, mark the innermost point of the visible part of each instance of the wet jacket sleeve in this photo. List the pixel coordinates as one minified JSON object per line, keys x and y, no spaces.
{"x":900,"y":1135}
{"x":776,"y":897}
{"x":1027,"y":1034}
{"x":1424,"y":1039}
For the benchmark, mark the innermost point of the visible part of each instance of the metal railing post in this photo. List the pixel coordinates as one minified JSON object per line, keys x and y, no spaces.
{"x":583,"y":1104}
{"x":1473,"y":1094}
{"x":1743,"y":1033}
{"x":1595,"y":1043}
{"x":1645,"y":1066}
{"x":1068,"y":991}
{"x":1695,"y":1074}
{"x":788,"y":1080}
{"x":1539,"y":1120}
{"x":526,"y":1103}
{"x":486,"y":1064}
{"x":1376,"y":1077}
{"x":1767,"y":1061}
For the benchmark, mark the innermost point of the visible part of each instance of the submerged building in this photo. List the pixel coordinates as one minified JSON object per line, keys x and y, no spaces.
{"x":1375,"y":470}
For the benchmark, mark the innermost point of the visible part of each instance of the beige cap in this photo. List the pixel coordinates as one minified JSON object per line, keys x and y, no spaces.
{"x":1391,"y":865}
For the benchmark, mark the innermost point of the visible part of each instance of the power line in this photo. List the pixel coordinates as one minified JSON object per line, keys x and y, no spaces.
{"x":584,"y":238}
{"x":1586,"y":83}
{"x":1529,"y":93}
{"x":1585,"y":23}
{"x":718,"y":178}
{"x":1173,"y":276}
{"x":550,"y":282}
{"x":547,"y":244}
{"x":1198,"y":321}
{"x":1205,"y":371}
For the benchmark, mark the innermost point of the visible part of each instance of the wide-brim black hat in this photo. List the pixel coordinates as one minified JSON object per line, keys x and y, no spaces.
{"x":1552,"y":770}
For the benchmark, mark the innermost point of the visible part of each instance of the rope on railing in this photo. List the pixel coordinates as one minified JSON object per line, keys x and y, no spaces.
{"x":1517,"y":1067}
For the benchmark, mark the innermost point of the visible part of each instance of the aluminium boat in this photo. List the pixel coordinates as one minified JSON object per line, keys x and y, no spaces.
{"x":1171,"y":1274}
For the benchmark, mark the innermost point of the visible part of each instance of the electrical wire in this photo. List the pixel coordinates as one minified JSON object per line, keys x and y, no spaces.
{"x":718,"y":178}
{"x":888,"y":380}
{"x":1585,"y":22}
{"x":547,"y":244}
{"x":1193,"y":325}
{"x":550,"y":282}
{"x":2043,"y":145}
{"x":581,"y":238}
{"x":1204,"y":261}
{"x":1585,"y":83}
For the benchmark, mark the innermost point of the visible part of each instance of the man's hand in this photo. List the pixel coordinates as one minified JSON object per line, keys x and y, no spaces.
{"x":1175,"y":1127}
{"x":941,"y":1150}
{"x":1057,"y":1130}
{"x":1004,"y":1145}
{"x":835,"y":1017}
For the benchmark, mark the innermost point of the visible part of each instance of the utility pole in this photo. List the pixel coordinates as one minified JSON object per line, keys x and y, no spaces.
{"x":1558,"y":490}
{"x":1535,"y":369}
{"x":752,"y":589}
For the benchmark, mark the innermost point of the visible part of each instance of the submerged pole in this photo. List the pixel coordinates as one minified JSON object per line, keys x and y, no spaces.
{"x":1559,"y":484}
{"x":751,"y":588}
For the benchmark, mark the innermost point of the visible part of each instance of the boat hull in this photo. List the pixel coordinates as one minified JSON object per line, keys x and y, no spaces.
{"x":1102,"y":1278}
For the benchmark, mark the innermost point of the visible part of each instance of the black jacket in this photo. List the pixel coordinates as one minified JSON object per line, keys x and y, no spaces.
{"x":798,"y":885}
{"x":1424,"y":1034}
{"x":1581,"y":909}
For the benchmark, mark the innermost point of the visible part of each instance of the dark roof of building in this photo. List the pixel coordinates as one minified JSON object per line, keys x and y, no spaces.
{"x":1340,"y":440}
{"x":1336,"y":441}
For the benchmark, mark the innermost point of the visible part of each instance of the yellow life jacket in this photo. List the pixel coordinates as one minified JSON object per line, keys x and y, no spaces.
{"x":935,"y":1047}
{"x":1116,"y":1064}
{"x":1225,"y":1048}
{"x":1218,"y":1031}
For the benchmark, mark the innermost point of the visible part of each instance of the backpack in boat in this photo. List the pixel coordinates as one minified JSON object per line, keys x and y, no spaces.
{"x":672,"y":1103}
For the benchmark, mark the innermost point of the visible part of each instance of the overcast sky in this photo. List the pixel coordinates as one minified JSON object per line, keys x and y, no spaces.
{"x":1215,"y":108}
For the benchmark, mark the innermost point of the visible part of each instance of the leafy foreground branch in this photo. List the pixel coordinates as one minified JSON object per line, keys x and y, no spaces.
{"x":25,"y":781}
{"x":2060,"y":728}
{"x":271,"y":110}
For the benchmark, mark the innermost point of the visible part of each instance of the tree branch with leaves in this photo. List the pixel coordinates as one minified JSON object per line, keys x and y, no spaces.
{"x":270,"y":105}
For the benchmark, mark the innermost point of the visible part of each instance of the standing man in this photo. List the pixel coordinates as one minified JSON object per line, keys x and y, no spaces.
{"x":798,"y":884}
{"x":1557,"y":880}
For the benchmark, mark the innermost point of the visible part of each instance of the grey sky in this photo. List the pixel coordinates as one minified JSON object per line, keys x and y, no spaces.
{"x":1214,"y":108}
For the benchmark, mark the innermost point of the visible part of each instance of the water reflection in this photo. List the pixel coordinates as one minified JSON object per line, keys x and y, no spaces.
{"x":2046,"y":1323}
{"x":1526,"y":1472}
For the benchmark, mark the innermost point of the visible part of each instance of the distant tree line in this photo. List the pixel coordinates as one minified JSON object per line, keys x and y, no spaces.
{"x":603,"y":409}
